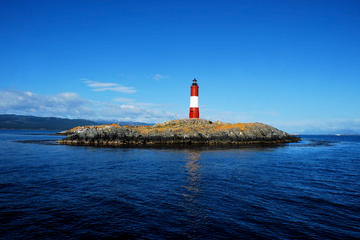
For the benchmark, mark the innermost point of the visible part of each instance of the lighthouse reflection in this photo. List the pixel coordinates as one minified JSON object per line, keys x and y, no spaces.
{"x":193,"y":175}
{"x":192,"y":189}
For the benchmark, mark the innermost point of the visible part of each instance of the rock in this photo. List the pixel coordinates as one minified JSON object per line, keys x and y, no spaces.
{"x":177,"y":132}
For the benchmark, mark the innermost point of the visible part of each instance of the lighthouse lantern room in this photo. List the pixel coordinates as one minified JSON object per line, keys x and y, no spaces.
{"x":194,"y":100}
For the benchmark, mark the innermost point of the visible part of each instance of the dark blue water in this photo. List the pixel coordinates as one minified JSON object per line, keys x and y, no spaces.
{"x":303,"y":190}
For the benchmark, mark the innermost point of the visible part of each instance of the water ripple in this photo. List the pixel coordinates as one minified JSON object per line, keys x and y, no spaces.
{"x":306,"y":190}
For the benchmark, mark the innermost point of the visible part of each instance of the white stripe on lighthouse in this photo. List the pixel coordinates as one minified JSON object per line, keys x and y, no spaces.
{"x":194,"y":101}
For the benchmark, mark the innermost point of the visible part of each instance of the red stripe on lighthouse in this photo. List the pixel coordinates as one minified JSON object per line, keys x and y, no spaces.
{"x":194,"y":100}
{"x":194,"y":113}
{"x":194,"y":91}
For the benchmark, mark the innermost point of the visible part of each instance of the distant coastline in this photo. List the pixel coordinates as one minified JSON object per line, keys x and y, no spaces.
{"x":13,"y":121}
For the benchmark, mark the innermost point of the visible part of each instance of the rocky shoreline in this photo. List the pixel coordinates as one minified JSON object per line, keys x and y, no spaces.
{"x":184,"y":132}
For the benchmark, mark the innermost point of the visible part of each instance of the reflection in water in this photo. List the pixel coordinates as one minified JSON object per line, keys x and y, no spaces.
{"x":192,"y":167}
{"x":193,"y":190}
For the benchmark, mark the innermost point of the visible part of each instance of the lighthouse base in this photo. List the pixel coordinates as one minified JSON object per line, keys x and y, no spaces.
{"x":194,"y":113}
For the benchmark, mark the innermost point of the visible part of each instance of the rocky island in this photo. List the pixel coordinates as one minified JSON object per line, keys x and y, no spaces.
{"x":177,"y":132}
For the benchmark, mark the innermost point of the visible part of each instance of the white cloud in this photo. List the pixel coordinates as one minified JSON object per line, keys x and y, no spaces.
{"x":123,"y":100}
{"x":71,"y":105}
{"x":115,"y":89}
{"x":99,"y":84}
{"x":135,"y":103}
{"x":28,"y":93}
{"x":127,"y":106}
{"x":64,"y":104}
{"x":101,"y":87}
{"x":158,"y":76}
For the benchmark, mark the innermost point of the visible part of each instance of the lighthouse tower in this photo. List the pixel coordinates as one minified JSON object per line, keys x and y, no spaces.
{"x":194,"y":100}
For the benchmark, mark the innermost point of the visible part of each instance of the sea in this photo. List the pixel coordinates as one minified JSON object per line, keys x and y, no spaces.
{"x":304,"y":190}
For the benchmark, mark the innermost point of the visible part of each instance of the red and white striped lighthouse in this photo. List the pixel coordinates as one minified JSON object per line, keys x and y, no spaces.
{"x":194,"y":100}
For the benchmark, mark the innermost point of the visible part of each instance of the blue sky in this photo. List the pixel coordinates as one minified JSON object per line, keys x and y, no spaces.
{"x":292,"y":64}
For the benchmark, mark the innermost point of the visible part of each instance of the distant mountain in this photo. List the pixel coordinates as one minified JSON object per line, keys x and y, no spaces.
{"x":12,"y":121}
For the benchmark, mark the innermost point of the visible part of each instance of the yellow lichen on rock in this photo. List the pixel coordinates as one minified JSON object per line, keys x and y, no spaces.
{"x":94,"y":126}
{"x":241,"y":126}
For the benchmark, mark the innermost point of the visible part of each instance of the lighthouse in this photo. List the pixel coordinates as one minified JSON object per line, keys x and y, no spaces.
{"x":194,"y":100}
